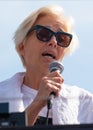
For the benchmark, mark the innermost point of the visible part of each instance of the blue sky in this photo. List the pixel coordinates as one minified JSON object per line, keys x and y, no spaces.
{"x":78,"y":68}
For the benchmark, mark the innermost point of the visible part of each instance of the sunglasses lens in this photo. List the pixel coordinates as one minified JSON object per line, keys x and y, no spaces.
{"x":63,"y":40}
{"x":43,"y":34}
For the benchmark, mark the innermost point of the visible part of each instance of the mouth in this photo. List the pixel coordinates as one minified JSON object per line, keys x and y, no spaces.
{"x":49,"y":54}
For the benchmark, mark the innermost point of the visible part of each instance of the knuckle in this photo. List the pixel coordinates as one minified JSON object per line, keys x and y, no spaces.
{"x":44,"y":78}
{"x":59,"y":86}
{"x":48,"y":86}
{"x":60,"y":80}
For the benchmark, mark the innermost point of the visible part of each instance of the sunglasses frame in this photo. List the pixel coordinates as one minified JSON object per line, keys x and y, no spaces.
{"x":52,"y":32}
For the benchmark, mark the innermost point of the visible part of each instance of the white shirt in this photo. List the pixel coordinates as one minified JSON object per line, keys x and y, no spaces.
{"x":73,"y":106}
{"x":28,"y":96}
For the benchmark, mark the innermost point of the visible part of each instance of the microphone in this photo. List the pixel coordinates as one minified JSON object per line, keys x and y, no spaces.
{"x":53,"y":67}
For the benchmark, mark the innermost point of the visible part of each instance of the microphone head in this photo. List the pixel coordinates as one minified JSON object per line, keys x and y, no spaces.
{"x":55,"y":65}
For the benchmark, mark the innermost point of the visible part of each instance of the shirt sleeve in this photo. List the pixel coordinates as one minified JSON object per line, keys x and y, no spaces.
{"x":86,"y":107}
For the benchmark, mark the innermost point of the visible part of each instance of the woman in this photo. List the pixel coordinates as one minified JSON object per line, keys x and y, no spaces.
{"x":45,"y":36}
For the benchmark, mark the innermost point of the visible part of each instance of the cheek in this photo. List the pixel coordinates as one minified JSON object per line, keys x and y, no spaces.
{"x":27,"y":55}
{"x":61,"y":53}
{"x":31,"y":54}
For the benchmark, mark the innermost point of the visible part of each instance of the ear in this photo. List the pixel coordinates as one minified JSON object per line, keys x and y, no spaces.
{"x":20,"y":48}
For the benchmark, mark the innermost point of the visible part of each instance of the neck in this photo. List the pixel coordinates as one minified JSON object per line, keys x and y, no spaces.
{"x":33,"y":80}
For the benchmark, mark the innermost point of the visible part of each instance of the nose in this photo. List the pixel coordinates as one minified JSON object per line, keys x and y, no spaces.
{"x":53,"y":42}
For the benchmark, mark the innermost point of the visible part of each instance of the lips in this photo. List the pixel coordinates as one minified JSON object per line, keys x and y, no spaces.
{"x":49,"y":54}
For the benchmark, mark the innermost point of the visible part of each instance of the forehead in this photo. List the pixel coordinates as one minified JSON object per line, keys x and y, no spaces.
{"x":52,"y":21}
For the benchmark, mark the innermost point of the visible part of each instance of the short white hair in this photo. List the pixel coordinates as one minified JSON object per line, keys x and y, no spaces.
{"x":54,"y":10}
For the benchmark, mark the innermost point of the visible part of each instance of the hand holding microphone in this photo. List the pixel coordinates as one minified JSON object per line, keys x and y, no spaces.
{"x":50,"y":85}
{"x":54,"y":66}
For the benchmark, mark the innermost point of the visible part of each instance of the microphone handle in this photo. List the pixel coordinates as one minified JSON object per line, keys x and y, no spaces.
{"x":50,"y":100}
{"x":54,"y":66}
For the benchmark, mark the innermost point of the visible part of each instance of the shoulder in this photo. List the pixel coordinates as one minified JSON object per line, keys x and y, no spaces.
{"x":75,"y":91}
{"x":14,"y":80}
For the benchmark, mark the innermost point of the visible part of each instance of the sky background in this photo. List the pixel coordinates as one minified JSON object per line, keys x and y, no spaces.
{"x":78,"y":68}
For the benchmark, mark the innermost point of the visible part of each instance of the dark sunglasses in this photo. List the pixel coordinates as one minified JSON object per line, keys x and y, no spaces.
{"x":44,"y":34}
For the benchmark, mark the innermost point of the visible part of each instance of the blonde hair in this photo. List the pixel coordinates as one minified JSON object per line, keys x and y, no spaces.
{"x":54,"y":10}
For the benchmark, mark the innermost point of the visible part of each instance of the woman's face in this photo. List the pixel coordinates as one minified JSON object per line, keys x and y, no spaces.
{"x":37,"y":54}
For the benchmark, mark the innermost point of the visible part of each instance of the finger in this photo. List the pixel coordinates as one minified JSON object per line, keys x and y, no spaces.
{"x":57,"y":79}
{"x":54,"y":73}
{"x":53,"y":87}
